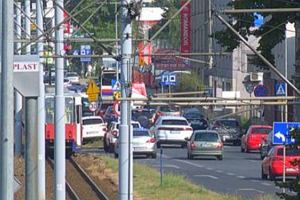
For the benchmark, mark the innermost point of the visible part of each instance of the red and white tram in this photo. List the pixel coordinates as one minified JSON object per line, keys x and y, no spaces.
{"x":73,"y":115}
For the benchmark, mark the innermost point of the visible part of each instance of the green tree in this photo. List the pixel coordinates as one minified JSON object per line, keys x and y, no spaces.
{"x":188,"y":83}
{"x":271,"y":32}
{"x":172,"y":32}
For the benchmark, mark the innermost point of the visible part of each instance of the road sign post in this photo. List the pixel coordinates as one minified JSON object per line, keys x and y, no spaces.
{"x":282,"y":136}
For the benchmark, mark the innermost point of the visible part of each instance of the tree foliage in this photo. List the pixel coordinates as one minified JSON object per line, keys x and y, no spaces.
{"x":188,"y":83}
{"x":271,"y":32}
{"x":172,"y":32}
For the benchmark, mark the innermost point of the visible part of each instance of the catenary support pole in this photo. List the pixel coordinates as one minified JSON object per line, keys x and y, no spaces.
{"x":31,"y":164}
{"x":41,"y":108}
{"x":126,"y":51}
{"x":59,"y":146}
{"x":18,"y":96}
{"x":7,"y":105}
{"x":27,"y":24}
{"x":31,"y":148}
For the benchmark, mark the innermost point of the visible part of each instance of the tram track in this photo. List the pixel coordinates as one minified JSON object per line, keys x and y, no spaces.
{"x":79,"y":184}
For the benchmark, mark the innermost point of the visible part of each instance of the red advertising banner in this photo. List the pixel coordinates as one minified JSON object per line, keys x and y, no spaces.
{"x":185,"y":19}
{"x":145,"y":52}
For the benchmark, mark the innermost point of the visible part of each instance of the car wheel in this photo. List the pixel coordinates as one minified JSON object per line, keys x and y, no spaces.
{"x":116,"y":155}
{"x":105,"y":146}
{"x":272,"y":177}
{"x":242,"y":149}
{"x":263,"y":175}
{"x":158,"y":145}
{"x":154,"y":155}
{"x":220,"y":157}
{"x":111,"y":148}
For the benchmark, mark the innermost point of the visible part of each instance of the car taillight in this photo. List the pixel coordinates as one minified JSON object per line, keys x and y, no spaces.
{"x":159,"y":113}
{"x":220,"y":145}
{"x":115,"y":133}
{"x":188,"y":129}
{"x":151,"y":140}
{"x":193,"y":146}
{"x":104,"y":129}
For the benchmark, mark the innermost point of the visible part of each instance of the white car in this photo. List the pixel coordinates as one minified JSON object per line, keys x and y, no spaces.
{"x":72,"y":77}
{"x":112,"y":134}
{"x":142,"y":142}
{"x":171,"y":130}
{"x":93,"y":127}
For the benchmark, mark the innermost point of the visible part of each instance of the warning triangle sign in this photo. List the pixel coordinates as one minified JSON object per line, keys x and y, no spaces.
{"x":280,"y":90}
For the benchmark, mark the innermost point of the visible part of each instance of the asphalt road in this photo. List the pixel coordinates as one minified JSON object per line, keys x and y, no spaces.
{"x":238,"y":173}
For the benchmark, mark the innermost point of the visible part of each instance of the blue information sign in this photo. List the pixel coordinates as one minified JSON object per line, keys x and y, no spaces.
{"x":84,"y":51}
{"x":282,"y":132}
{"x":280,"y":89}
{"x":168,"y":78}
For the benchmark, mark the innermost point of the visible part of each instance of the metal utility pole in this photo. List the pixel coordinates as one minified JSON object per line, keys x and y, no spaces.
{"x":60,"y":145}
{"x":41,"y":107}
{"x":210,"y":40}
{"x":117,"y":41}
{"x":125,"y":178}
{"x":31,"y":164}
{"x":31,"y":148}
{"x":18,"y":96}
{"x":7,"y":102}
{"x":27,"y":25}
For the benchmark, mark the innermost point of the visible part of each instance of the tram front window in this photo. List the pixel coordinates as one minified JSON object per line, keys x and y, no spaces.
{"x":69,"y":110}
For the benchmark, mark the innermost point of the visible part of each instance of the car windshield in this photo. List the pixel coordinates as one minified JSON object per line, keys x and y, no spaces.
{"x":228,"y":123}
{"x":208,"y":137}
{"x":289,"y":152}
{"x":178,"y":122}
{"x":261,"y":131}
{"x":71,"y":74}
{"x":140,"y":133}
{"x":169,"y":109}
{"x":92,"y":121}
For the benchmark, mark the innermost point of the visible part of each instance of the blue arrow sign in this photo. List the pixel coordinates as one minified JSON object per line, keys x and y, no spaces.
{"x":282,"y":132}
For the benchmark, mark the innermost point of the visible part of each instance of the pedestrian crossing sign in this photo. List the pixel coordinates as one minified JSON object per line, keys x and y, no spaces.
{"x":280,"y":89}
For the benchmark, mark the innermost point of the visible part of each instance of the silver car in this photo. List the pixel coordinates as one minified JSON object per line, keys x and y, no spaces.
{"x":205,"y":143}
{"x":142,"y":142}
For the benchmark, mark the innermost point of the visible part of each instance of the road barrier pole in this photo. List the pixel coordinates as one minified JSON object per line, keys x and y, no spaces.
{"x":161,"y":166}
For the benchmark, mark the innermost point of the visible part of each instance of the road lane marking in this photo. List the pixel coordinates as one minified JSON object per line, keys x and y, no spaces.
{"x":241,"y":177}
{"x":219,"y":171}
{"x":190,"y":163}
{"x":266,"y":184}
{"x":208,"y":176}
{"x":254,"y":161}
{"x":230,"y":174}
{"x":254,"y":181}
{"x":208,"y":168}
{"x":250,"y":189}
{"x":167,"y":166}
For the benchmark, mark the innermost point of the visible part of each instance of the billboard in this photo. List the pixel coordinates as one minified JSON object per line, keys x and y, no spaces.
{"x":164,"y":59}
{"x":185,"y":21}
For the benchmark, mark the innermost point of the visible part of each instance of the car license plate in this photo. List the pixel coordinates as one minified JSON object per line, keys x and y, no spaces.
{"x":206,"y":145}
{"x":139,"y":148}
{"x":175,"y":132}
{"x":92,"y":132}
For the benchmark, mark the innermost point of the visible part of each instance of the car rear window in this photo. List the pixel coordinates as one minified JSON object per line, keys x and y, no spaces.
{"x":289,"y":152}
{"x":229,"y":123}
{"x":208,"y":137}
{"x":134,"y":125}
{"x":176,"y":122}
{"x":92,"y":121}
{"x":261,"y":130}
{"x":140,"y":133}
{"x":169,"y":109}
